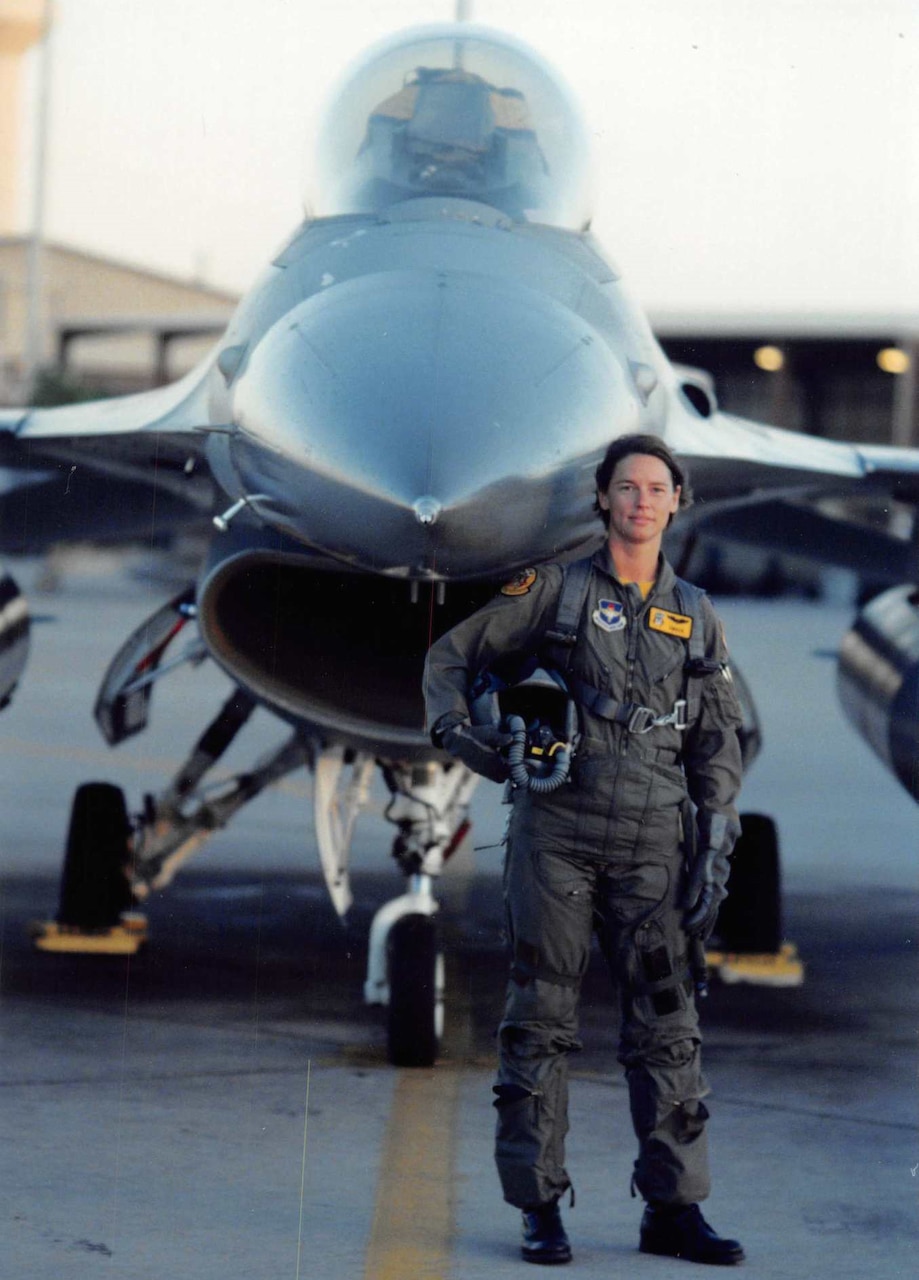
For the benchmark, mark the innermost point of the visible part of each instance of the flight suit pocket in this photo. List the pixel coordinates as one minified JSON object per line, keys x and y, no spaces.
{"x":666,"y":657}
{"x":549,"y":914}
{"x":658,"y":976}
{"x":565,"y":906}
{"x":720,"y":700}
{"x":668,"y":786}
{"x":661,"y":821}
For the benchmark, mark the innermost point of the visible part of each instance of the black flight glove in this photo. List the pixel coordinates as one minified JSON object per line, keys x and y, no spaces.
{"x":706,"y":888}
{"x":477,"y":745}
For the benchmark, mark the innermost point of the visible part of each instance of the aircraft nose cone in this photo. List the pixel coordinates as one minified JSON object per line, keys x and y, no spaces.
{"x":419,"y":422}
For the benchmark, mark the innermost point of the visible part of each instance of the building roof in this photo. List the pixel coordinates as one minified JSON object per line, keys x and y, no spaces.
{"x":90,"y":258}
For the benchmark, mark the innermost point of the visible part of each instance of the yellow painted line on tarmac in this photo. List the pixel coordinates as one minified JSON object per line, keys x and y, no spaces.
{"x":413,"y":1221}
{"x":33,"y":750}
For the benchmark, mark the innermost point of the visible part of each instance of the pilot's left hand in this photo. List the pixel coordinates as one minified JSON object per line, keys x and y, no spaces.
{"x":706,"y":888}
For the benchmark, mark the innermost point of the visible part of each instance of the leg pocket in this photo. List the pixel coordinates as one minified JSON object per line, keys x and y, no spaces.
{"x":531,"y":1100}
{"x":548,"y":899}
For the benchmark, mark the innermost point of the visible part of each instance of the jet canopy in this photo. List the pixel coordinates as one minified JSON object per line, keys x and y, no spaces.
{"x":454,"y":110}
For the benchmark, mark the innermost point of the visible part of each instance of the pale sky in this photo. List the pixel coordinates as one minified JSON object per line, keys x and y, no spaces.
{"x":747,"y":155}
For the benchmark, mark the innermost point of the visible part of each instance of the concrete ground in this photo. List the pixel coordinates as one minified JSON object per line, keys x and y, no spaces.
{"x":220,"y":1106}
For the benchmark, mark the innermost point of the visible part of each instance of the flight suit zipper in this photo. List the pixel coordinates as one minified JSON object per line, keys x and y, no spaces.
{"x":631,"y":655}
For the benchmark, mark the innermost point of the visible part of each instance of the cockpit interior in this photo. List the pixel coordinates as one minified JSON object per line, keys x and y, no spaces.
{"x":454,"y":111}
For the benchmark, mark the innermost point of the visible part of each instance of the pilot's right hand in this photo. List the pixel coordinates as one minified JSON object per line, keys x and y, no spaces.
{"x":478,"y":747}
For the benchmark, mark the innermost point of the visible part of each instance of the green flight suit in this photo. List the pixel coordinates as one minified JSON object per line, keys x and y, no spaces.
{"x":603,"y":852}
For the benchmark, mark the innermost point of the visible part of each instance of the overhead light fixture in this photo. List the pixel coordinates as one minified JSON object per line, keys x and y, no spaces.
{"x":892,"y":360}
{"x":769,"y":358}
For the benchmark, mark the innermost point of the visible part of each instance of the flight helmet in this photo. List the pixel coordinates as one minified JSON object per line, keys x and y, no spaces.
{"x":534,"y":705}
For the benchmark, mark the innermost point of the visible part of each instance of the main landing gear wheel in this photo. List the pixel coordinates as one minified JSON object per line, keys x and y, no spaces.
{"x":750,"y":918}
{"x":749,"y":928}
{"x":94,"y":882}
{"x":416,"y":992}
{"x":94,"y":913}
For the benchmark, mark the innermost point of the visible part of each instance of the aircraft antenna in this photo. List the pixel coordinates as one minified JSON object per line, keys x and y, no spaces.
{"x":462,"y":13}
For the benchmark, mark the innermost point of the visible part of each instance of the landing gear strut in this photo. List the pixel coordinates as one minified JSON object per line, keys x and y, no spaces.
{"x":405,"y":968}
{"x":110,"y":864}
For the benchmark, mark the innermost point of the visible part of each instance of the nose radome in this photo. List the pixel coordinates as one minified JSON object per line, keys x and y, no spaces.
{"x":407,"y":405}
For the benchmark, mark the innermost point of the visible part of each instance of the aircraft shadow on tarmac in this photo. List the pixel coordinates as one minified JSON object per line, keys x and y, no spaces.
{"x":237,"y":946}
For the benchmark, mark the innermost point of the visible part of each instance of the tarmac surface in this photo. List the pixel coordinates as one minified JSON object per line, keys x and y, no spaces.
{"x":221,"y":1106}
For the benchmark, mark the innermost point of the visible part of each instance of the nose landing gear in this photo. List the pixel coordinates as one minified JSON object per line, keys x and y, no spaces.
{"x":405,"y":967}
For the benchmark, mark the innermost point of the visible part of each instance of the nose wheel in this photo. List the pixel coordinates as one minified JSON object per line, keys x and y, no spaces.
{"x":416,"y":992}
{"x":405,"y":966}
{"x":405,"y":974}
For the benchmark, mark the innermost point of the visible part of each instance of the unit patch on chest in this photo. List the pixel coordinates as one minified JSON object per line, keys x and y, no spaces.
{"x":671,"y":624}
{"x":609,"y":615}
{"x":519,"y":585}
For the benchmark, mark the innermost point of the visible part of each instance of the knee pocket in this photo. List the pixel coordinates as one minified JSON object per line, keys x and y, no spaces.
{"x":680,"y":1125}
{"x":529,"y":1128}
{"x":687,"y":1120}
{"x":658,"y":973}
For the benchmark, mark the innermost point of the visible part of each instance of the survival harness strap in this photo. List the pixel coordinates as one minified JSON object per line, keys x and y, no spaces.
{"x":562,"y":637}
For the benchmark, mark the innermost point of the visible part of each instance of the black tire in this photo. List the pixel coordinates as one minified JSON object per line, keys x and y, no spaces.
{"x":94,"y":884}
{"x":750,"y":919}
{"x":415,"y":998}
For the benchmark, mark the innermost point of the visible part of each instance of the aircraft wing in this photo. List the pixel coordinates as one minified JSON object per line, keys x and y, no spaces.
{"x":733,"y":458}
{"x":799,"y":495}
{"x":105,"y":468}
{"x":892,"y":469}
{"x":178,"y":409}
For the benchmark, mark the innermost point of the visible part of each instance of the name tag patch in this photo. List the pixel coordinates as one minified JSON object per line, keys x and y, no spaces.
{"x":671,"y":624}
{"x":609,"y":615}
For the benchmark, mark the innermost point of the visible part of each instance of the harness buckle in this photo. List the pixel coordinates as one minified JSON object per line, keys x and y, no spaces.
{"x":641,"y":720}
{"x":679,"y":720}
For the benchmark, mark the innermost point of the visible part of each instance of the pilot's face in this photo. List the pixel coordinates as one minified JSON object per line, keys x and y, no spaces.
{"x":641,"y":498}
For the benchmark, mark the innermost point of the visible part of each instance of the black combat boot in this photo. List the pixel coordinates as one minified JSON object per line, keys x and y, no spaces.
{"x":544,"y":1238}
{"x":680,"y":1231}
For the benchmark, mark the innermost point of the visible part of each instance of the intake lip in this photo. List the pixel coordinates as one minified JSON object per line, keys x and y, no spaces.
{"x":338,"y":654}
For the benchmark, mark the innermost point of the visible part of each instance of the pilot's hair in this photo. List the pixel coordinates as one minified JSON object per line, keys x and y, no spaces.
{"x":653,"y":447}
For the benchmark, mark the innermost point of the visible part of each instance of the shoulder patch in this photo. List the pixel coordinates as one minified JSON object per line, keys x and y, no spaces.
{"x":520,"y":584}
{"x":671,"y":624}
